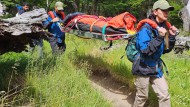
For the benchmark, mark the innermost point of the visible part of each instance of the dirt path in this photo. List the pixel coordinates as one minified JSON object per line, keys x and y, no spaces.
{"x":112,"y":90}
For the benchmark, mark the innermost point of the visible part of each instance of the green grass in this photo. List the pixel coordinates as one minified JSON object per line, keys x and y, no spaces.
{"x":64,"y":86}
{"x":62,"y":81}
{"x":179,"y":67}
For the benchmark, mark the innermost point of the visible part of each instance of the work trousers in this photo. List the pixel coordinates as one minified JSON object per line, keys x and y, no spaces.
{"x":159,"y":86}
{"x":57,"y":48}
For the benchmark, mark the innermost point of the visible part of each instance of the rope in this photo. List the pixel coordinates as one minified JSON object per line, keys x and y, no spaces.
{"x":93,"y":24}
{"x":75,"y":20}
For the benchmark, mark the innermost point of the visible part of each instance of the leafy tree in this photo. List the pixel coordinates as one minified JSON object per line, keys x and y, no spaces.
{"x":105,"y":8}
{"x":174,"y":18}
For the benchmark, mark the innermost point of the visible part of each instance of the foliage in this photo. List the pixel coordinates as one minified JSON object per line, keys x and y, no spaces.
{"x":98,"y":7}
{"x":101,"y":7}
{"x":174,"y":18}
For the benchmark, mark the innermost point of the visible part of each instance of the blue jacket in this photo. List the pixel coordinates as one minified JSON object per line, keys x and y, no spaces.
{"x":54,"y":27}
{"x":151,"y":47}
{"x":20,"y":9}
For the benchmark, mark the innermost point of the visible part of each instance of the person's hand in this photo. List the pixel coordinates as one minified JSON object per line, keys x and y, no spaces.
{"x":162,"y":31}
{"x":173,"y":30}
{"x":55,"y":19}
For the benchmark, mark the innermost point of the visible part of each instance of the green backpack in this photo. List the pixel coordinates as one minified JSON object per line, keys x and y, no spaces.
{"x":131,"y":51}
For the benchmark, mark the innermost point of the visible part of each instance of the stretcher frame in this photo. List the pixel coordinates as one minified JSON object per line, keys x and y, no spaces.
{"x":104,"y":37}
{"x":100,"y":36}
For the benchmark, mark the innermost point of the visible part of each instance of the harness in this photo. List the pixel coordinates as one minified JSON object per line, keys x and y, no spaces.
{"x":76,"y":19}
{"x":52,"y":15}
{"x":153,"y":24}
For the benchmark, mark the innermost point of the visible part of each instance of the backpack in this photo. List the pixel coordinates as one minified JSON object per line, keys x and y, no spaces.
{"x":132,"y":52}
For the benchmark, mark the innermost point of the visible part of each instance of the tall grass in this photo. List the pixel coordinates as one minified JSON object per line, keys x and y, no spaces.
{"x":55,"y":82}
{"x":64,"y":86}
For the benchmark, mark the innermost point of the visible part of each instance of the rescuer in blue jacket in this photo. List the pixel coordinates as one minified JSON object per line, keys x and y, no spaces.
{"x":53,"y":25}
{"x":151,"y":45}
{"x":22,"y":9}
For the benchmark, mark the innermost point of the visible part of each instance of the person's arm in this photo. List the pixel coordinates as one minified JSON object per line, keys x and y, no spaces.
{"x":17,"y":6}
{"x":19,"y":9}
{"x":148,"y":46}
{"x":47,"y":23}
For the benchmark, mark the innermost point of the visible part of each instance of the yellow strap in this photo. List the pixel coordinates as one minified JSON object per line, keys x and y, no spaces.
{"x":93,"y":24}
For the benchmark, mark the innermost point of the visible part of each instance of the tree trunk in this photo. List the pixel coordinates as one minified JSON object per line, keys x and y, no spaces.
{"x":185,"y":2}
{"x":2,"y":9}
{"x":185,"y":15}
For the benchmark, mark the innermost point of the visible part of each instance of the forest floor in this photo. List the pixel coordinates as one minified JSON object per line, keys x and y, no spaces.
{"x":113,"y":90}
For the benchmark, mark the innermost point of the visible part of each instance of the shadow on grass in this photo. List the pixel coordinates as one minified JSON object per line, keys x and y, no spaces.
{"x":12,"y":70}
{"x":116,"y":78}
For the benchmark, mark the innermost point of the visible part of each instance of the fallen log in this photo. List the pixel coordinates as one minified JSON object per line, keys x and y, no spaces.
{"x":17,"y":32}
{"x":182,"y":43}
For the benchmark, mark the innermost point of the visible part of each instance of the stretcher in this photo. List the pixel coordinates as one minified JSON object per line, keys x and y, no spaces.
{"x":99,"y":27}
{"x":104,"y":37}
{"x":102,"y":28}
